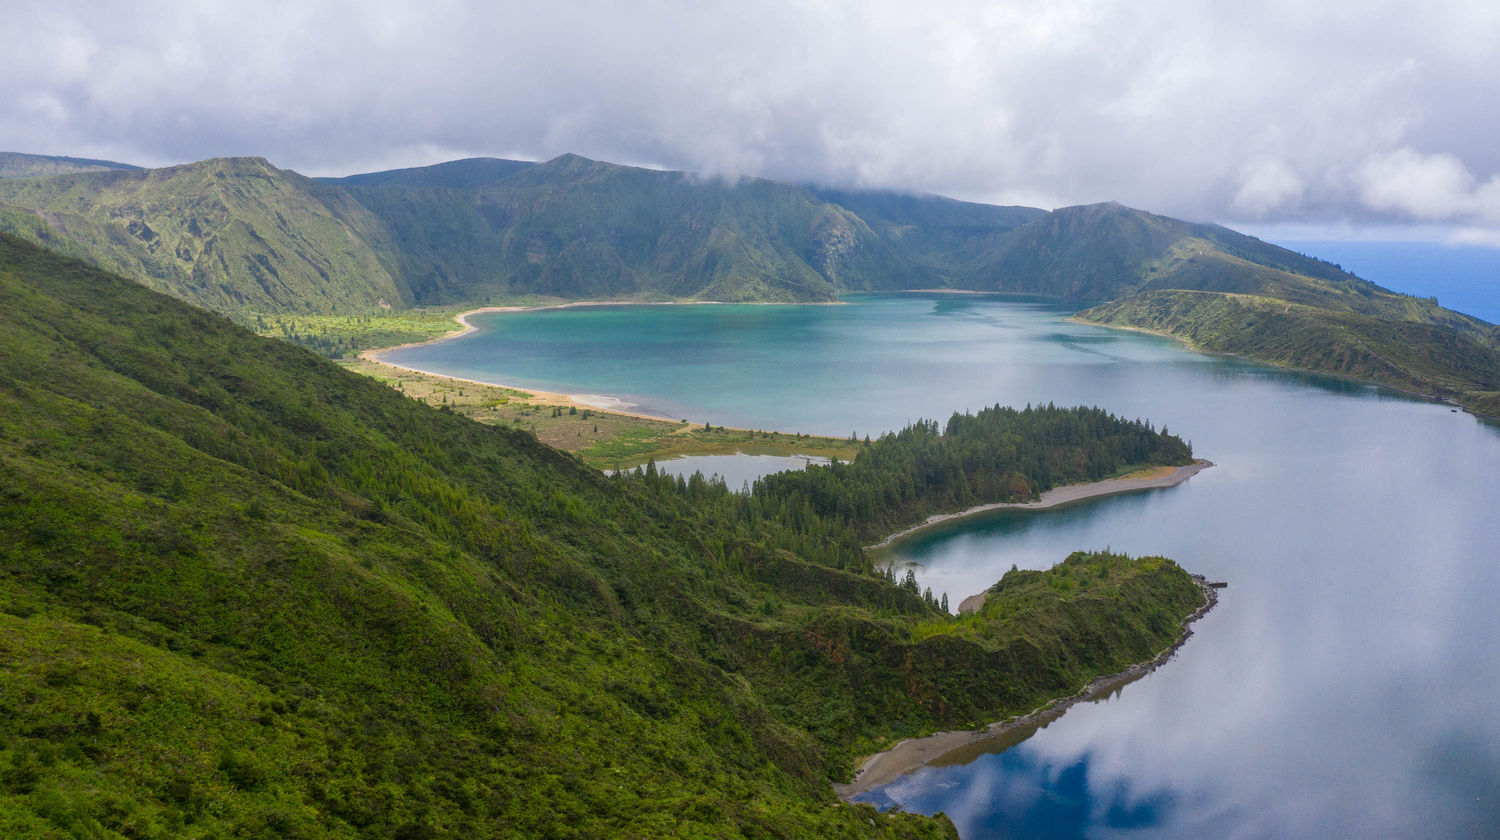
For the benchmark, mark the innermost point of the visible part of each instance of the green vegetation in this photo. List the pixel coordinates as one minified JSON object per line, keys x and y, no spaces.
{"x":235,"y":235}
{"x":1429,"y":359}
{"x":1104,"y":252}
{"x":642,"y":443}
{"x":345,"y":336}
{"x":1096,"y":601}
{"x":249,"y":593}
{"x":580,"y":229}
{"x":998,"y":455}
{"x":322,"y":262}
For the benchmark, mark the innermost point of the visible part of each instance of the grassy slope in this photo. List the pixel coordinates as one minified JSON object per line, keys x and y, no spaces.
{"x":1226,"y":292}
{"x":248,"y":592}
{"x":235,"y":235}
{"x":1428,"y":359}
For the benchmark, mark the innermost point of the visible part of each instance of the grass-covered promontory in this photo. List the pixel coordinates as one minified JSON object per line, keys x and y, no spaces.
{"x":244,"y":592}
{"x":1431,"y":359}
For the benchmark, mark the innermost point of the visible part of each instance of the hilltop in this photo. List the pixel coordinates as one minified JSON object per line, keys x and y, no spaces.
{"x":235,"y":235}
{"x":19,"y":165}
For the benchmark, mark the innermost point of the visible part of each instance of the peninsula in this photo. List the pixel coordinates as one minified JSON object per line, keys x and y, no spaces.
{"x":912,"y":754}
{"x":1146,"y":479}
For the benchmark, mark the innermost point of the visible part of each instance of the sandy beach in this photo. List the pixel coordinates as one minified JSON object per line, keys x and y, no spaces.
{"x":597,"y":402}
{"x":915,"y":753}
{"x":1059,"y":496}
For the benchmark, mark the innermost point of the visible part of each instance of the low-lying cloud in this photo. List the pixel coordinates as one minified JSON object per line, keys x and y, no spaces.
{"x":1273,"y":113}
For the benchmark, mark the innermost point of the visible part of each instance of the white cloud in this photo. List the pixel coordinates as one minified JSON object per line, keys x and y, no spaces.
{"x":1488,"y":237}
{"x":1267,"y":185}
{"x":1158,"y":103}
{"x":1422,"y":186}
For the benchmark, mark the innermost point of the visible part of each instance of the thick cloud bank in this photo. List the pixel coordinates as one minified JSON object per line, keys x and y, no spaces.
{"x":1280,"y":112}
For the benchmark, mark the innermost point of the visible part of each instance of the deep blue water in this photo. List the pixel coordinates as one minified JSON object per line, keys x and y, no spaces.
{"x":1465,"y":278}
{"x":1348,"y":684}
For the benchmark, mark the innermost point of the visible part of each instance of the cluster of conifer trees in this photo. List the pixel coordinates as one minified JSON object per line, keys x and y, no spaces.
{"x":1000,"y":454}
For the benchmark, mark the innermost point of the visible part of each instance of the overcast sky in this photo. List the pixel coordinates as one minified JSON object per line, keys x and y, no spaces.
{"x":1349,"y":115}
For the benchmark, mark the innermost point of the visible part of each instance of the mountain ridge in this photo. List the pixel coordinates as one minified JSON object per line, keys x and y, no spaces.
{"x":242,"y":237}
{"x":23,"y":165}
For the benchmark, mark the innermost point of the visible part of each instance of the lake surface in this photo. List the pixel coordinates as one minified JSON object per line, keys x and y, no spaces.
{"x":737,"y":472}
{"x":1348,"y":684}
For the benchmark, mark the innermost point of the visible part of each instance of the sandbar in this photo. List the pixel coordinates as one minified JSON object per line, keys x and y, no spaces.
{"x":1059,"y":496}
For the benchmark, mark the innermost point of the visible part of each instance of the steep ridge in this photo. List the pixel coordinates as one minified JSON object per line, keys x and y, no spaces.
{"x":465,"y":174}
{"x":940,"y":234}
{"x":578,"y":228}
{"x":20,"y":165}
{"x":1103,"y":252}
{"x":243,"y":238}
{"x":250,"y":593}
{"x":236,"y":235}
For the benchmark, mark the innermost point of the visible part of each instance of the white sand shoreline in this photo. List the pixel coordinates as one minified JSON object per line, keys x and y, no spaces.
{"x":1057,"y":497}
{"x":597,"y":402}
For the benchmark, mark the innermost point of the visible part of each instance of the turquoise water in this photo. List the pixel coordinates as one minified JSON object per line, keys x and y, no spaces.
{"x":1346,"y":685}
{"x":875,"y":364}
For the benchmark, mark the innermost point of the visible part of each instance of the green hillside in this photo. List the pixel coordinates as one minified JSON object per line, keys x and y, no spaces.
{"x":580,"y":229}
{"x":1431,"y":359}
{"x":235,"y":235}
{"x":19,"y":165}
{"x":1103,"y":252}
{"x":466,"y":174}
{"x":248,"y":593}
{"x":939,"y":234}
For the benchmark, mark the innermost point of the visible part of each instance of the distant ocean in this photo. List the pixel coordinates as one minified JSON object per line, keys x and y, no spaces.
{"x":1462,"y":277}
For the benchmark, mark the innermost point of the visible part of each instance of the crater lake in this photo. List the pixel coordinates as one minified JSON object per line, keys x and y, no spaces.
{"x":1346,"y":684}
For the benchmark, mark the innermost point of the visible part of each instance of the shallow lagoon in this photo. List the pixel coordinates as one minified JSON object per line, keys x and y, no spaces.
{"x":1346,"y":684}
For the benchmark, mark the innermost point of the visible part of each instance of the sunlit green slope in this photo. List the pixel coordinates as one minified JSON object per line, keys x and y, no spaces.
{"x":236,"y":235}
